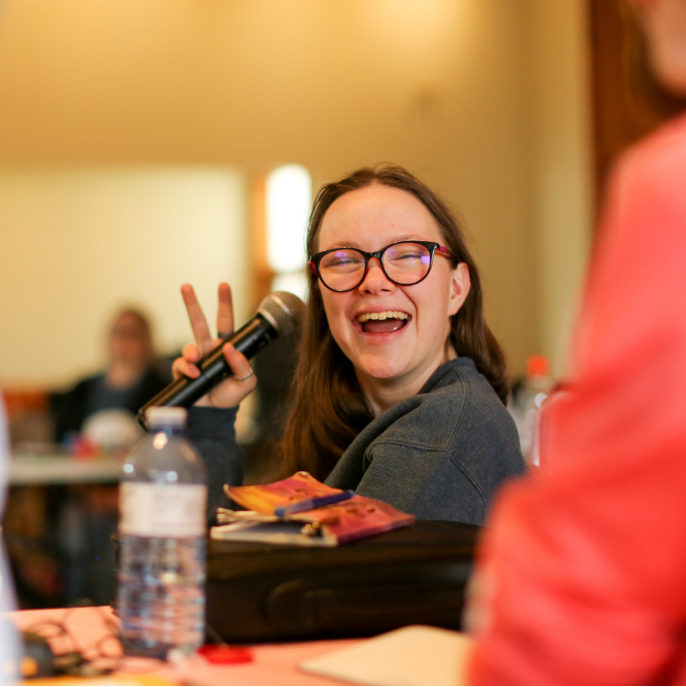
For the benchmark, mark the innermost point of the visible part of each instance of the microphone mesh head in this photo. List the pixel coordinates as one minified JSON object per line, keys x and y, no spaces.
{"x":284,"y":311}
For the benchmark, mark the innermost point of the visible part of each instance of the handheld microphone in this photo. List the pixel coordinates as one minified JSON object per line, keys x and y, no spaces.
{"x":279,"y":314}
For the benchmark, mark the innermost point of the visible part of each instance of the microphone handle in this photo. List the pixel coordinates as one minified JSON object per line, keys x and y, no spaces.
{"x":184,"y":391}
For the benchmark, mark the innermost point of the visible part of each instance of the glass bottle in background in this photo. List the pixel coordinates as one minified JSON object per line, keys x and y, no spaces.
{"x":162,"y":525}
{"x":526,"y":408}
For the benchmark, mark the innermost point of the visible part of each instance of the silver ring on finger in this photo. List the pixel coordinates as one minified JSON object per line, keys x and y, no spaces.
{"x":245,"y":377}
{"x":224,"y":335}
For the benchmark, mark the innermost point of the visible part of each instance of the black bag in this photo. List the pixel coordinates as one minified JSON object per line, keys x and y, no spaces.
{"x":267,"y":592}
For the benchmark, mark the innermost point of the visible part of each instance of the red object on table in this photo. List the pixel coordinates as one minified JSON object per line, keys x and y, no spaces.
{"x":214,"y":653}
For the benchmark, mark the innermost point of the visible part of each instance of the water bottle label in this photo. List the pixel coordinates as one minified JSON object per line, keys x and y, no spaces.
{"x":162,"y":510}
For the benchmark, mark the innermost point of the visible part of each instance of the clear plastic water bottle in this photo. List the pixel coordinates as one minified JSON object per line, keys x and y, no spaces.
{"x":161,"y":573}
{"x":538,"y":387}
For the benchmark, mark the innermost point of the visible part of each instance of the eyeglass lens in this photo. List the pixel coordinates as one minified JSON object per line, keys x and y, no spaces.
{"x":403,"y":263}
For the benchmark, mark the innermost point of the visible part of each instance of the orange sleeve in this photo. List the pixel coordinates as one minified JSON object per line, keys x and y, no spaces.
{"x":586,"y":565}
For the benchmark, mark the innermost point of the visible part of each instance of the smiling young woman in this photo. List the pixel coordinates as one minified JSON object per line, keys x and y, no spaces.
{"x":400,"y":387}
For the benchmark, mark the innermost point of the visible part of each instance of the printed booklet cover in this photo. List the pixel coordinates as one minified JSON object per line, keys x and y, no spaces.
{"x":301,"y":510}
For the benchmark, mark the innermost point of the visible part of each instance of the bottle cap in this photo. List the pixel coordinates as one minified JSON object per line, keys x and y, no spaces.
{"x":166,"y":416}
{"x":537,"y":366}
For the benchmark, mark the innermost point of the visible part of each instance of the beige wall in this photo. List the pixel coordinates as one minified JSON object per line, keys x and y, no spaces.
{"x":562,"y":183}
{"x":484,"y":99}
{"x":79,"y":243}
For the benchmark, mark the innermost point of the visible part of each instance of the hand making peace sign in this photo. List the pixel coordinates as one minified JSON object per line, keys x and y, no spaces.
{"x":234,"y":389}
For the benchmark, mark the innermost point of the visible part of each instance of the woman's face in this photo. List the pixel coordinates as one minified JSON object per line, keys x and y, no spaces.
{"x":395,"y":349}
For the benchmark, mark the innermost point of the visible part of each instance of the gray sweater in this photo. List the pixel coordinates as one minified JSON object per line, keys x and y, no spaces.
{"x":440,"y":455}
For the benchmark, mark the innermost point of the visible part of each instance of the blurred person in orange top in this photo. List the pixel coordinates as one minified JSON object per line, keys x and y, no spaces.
{"x":581,"y":576}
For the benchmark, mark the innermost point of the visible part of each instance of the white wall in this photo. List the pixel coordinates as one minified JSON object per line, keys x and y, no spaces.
{"x":76,"y":244}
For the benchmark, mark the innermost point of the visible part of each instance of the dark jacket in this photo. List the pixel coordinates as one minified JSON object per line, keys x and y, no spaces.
{"x":440,"y":455}
{"x":70,"y":409}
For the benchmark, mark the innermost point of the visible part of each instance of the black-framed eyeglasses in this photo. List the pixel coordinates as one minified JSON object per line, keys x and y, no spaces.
{"x":404,"y":263}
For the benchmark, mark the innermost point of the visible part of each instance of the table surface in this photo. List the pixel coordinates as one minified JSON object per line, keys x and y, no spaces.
{"x":55,"y":468}
{"x":91,"y":627}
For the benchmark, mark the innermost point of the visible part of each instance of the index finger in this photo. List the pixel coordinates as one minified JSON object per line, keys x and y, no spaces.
{"x":197,"y":319}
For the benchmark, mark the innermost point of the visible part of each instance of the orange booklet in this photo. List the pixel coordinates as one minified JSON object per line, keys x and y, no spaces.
{"x":301,"y":510}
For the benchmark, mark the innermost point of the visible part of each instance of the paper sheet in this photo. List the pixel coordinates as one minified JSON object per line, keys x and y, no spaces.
{"x":413,"y":655}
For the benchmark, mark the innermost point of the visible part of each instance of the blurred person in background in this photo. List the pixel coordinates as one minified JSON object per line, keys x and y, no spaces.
{"x":103,"y":407}
{"x":99,"y":414}
{"x":581,"y":574}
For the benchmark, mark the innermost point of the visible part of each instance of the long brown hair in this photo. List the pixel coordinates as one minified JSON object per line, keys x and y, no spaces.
{"x":329,"y":408}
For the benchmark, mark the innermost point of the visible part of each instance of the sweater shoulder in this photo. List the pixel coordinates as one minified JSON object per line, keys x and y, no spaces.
{"x":460,"y":401}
